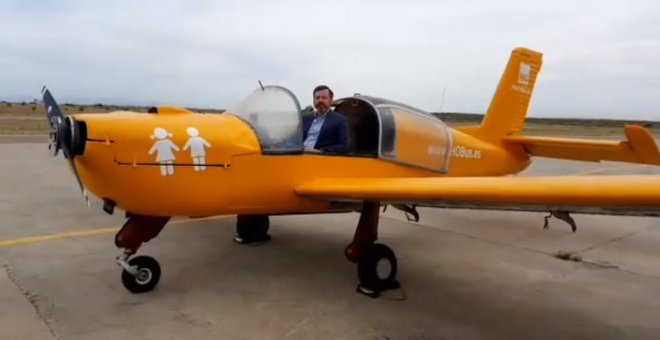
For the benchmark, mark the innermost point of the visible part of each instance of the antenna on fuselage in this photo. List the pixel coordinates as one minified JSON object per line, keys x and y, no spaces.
{"x":262,"y":86}
{"x":442,"y":103}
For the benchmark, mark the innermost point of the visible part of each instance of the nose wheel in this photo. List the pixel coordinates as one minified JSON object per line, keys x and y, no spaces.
{"x":141,"y":274}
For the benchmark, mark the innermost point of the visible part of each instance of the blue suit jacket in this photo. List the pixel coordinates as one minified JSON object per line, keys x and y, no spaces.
{"x":333,"y":137}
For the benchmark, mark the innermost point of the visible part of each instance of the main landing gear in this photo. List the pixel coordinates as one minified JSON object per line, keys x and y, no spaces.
{"x":142,"y":273}
{"x":376,"y":262}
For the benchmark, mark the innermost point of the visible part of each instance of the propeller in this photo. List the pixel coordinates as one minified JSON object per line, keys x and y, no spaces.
{"x":65,"y":134}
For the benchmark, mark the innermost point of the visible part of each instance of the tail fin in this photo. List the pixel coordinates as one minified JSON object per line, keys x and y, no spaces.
{"x":505,"y":119}
{"x":508,"y":108}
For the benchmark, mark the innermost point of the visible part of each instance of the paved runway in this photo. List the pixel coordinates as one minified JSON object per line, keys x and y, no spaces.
{"x":465,"y":274}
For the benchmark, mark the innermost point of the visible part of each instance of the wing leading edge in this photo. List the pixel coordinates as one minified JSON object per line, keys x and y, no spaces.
{"x":607,"y":195}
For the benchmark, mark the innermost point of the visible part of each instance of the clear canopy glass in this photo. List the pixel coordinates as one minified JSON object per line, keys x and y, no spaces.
{"x":275,"y":115}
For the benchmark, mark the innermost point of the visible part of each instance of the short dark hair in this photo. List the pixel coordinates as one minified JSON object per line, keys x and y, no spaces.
{"x":323,"y":87}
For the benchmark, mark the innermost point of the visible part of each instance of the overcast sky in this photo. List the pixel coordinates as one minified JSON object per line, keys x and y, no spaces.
{"x":601,"y":58}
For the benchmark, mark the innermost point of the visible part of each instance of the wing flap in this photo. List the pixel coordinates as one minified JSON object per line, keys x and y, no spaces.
{"x":640,"y":147}
{"x":627,"y":195}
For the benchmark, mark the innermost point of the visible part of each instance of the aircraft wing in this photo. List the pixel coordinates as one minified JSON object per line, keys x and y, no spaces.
{"x":607,"y":195}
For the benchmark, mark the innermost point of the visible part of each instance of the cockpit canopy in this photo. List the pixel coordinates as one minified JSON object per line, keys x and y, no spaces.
{"x":378,"y":128}
{"x":397,"y":132}
{"x":274,"y":114}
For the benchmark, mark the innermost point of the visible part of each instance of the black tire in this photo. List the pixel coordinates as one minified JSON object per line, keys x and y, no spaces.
{"x":368,"y":268}
{"x":252,"y":227}
{"x":148,"y":275}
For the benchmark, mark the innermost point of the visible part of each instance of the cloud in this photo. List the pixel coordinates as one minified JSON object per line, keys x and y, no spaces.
{"x":599,"y":56}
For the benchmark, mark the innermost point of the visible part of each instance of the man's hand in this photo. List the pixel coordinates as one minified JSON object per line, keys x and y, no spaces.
{"x":312,"y":150}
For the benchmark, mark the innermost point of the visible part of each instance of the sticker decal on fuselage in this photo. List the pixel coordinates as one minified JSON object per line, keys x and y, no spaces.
{"x":164,"y":148}
{"x":460,"y":151}
{"x":436,"y":150}
{"x":196,"y":145}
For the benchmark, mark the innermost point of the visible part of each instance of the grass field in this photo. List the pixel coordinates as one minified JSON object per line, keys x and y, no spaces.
{"x":28,"y":119}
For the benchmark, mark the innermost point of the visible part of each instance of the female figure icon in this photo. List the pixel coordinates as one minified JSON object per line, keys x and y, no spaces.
{"x":164,"y":147}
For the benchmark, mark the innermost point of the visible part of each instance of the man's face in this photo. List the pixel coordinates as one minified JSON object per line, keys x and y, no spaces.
{"x":322,"y":100}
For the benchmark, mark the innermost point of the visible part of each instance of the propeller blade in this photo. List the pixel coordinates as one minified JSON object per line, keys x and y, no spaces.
{"x":72,"y":166}
{"x":62,"y":134}
{"x":52,"y":109}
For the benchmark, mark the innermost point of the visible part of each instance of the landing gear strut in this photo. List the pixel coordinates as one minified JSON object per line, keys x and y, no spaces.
{"x":562,"y":215}
{"x":142,"y":273}
{"x":252,"y":229}
{"x":371,"y":256}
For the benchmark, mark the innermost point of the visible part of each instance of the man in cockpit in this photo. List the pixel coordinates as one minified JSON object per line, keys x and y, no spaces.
{"x":326,"y":131}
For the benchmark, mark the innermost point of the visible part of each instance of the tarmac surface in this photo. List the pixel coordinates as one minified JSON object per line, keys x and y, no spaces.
{"x":465,"y":274}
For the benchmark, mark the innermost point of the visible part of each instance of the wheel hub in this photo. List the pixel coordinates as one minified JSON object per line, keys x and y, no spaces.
{"x":143,"y":276}
{"x":383,"y":268}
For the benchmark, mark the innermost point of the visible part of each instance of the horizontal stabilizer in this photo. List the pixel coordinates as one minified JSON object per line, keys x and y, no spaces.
{"x":640,"y":147}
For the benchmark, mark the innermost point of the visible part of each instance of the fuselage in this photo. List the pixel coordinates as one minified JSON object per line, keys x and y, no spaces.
{"x":180,"y":163}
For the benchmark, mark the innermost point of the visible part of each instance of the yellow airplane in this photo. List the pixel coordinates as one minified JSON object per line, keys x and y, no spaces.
{"x":249,"y":161}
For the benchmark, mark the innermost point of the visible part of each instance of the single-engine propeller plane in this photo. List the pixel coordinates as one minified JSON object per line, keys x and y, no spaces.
{"x":249,"y":161}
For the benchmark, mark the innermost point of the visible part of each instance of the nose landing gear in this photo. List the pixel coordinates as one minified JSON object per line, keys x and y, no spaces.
{"x":142,"y":273}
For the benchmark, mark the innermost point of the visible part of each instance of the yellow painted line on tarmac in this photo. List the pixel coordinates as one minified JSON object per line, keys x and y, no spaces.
{"x":43,"y":238}
{"x":91,"y":232}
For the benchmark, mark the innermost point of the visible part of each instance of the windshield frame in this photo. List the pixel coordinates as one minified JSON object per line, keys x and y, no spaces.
{"x":294,"y":147}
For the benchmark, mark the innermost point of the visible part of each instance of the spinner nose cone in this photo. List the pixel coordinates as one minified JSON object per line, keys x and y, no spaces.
{"x":65,"y":133}
{"x":68,"y":135}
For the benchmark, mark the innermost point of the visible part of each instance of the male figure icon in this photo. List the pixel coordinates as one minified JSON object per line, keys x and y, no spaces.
{"x":196,"y":145}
